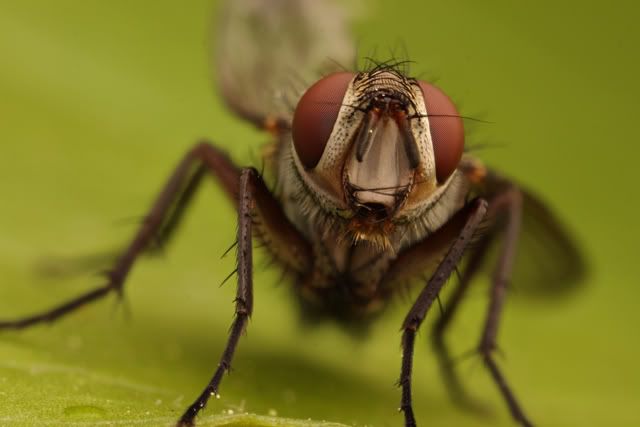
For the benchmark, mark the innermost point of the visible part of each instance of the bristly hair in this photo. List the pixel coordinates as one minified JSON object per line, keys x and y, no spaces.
{"x":397,"y":61}
{"x":399,"y":66}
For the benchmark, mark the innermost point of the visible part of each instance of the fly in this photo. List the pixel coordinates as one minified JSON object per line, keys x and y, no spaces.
{"x":373,"y":190}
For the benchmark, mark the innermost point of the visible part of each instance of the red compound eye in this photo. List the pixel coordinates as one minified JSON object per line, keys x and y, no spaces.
{"x":447,"y":131}
{"x":315,"y":116}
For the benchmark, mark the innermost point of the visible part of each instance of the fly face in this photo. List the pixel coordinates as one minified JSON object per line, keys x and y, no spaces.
{"x":375,"y":148}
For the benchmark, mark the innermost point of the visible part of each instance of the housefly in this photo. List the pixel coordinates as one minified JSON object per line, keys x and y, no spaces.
{"x":368,"y":188}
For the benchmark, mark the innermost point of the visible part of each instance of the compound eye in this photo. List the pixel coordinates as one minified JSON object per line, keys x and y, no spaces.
{"x":447,"y":130}
{"x":315,"y":116}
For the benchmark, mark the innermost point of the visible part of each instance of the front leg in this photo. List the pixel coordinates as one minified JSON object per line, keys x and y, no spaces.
{"x":458,"y":233}
{"x":244,"y":293}
{"x":254,"y":201}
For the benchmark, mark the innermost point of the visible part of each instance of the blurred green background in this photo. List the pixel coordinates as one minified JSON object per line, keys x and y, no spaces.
{"x":98,"y":100}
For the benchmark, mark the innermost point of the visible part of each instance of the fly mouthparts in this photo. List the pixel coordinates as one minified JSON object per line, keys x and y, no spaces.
{"x":375,"y":210}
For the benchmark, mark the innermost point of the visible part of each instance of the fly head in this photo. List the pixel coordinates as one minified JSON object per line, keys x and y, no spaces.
{"x":373,"y":148}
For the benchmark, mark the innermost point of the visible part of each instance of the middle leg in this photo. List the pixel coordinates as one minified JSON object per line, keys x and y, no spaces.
{"x":443,"y":355}
{"x":218,"y":164}
{"x":508,"y":204}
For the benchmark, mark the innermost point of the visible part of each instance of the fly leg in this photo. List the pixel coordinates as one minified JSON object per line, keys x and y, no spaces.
{"x":65,"y":267}
{"x":445,"y":361}
{"x":458,"y":234}
{"x":508,"y":203}
{"x":253,"y":201}
{"x":160,"y":212}
{"x":169,"y":227}
{"x":256,"y":207}
{"x":244,"y":294}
